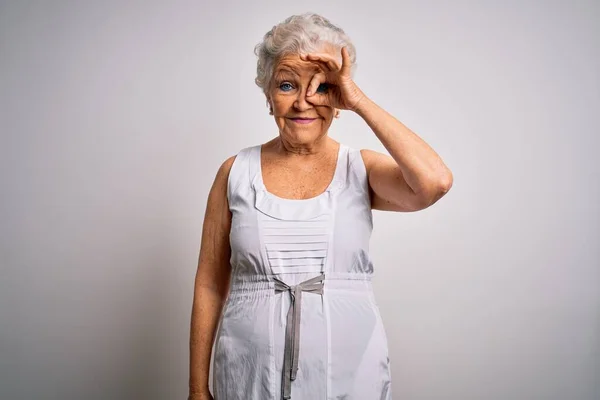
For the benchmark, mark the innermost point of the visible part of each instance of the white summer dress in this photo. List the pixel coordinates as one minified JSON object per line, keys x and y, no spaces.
{"x":300,"y":321}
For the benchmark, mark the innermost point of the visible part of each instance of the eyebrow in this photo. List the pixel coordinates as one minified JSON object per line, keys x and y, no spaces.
{"x":285,"y":70}
{"x":282,"y":69}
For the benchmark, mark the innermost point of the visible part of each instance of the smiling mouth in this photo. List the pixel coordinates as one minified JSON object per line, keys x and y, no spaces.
{"x":303,"y":120}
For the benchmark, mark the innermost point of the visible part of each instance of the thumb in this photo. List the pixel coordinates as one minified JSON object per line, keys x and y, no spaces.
{"x":319,"y":99}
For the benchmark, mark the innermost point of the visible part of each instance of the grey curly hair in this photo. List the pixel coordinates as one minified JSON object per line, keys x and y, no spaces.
{"x":298,"y":34}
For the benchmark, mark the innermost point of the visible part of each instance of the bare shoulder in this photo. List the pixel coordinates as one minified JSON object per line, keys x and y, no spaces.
{"x":220,"y":181}
{"x":217,"y":196}
{"x":371,"y":157}
{"x":378,"y":162}
{"x":389,"y":190}
{"x":217,"y":215}
{"x":225,"y":168}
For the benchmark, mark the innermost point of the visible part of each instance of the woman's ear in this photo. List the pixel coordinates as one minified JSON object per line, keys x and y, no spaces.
{"x":269,"y":105}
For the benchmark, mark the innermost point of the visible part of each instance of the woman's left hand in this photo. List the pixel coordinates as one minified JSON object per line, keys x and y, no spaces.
{"x":333,"y":86}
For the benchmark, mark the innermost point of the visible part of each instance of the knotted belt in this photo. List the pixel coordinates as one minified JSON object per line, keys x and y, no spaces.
{"x":292,"y":329}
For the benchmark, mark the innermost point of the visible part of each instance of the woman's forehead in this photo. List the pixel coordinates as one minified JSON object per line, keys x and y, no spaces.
{"x":296,"y":70}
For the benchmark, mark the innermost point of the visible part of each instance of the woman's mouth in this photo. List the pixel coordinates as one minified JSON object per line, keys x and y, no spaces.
{"x":303,"y":120}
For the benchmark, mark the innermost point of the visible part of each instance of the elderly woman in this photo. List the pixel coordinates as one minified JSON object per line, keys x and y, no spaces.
{"x":284,"y":269}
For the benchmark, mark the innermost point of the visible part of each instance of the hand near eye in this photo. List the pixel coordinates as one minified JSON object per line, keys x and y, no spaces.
{"x":333,"y":86}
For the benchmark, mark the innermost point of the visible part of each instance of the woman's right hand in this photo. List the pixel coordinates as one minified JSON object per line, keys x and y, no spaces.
{"x":201,"y":396}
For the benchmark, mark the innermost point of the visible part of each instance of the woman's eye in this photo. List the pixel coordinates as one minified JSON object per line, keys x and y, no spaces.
{"x":322,"y":88}
{"x":286,"y":86}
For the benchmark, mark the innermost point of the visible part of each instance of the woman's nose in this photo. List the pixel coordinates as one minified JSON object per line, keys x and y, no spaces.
{"x":301,"y":104}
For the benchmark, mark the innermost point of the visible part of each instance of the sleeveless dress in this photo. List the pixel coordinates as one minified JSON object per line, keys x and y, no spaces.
{"x":300,"y":321}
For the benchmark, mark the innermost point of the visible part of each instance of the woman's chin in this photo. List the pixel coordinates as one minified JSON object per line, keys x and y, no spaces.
{"x":303,"y":136}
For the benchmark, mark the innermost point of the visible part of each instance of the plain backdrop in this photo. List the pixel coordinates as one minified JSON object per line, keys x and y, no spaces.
{"x":115,"y":116}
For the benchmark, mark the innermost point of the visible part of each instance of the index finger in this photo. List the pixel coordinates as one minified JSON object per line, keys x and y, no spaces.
{"x":346,"y":62}
{"x":322,"y":58}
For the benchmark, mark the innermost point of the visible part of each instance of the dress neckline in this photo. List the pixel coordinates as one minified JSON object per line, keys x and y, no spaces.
{"x":332,"y":185}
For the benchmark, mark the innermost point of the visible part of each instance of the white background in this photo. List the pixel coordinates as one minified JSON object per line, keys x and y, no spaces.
{"x":115,"y":117}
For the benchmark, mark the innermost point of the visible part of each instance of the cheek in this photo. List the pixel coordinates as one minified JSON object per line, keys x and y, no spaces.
{"x":281,"y":105}
{"x":328,"y":115}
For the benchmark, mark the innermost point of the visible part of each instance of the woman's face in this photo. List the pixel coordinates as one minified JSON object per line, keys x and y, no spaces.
{"x":298,"y":120}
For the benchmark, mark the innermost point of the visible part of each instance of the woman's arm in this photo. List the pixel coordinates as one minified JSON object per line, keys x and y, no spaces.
{"x":414,"y":177}
{"x":212,"y":282}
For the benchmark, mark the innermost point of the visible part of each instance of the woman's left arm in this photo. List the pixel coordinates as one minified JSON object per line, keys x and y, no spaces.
{"x":414,"y":177}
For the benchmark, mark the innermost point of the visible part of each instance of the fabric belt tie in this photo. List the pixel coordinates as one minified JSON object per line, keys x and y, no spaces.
{"x":292,"y":329}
